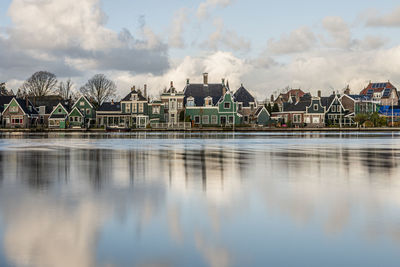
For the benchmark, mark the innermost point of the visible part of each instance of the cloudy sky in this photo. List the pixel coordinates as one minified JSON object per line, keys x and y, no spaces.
{"x":266,"y":45}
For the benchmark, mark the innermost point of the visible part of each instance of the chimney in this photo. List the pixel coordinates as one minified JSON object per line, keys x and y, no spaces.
{"x":26,"y":102}
{"x":133,"y":88}
{"x":172,"y":84}
{"x":347,"y":91}
{"x":223,"y":82}
{"x":187,"y":81}
{"x":145,"y":90}
{"x":205,"y":79}
{"x":319,"y":93}
{"x":112,"y":101}
{"x":272,"y":98}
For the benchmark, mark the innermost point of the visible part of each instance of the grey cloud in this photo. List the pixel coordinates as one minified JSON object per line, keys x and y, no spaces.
{"x":387,"y":20}
{"x":300,"y":40}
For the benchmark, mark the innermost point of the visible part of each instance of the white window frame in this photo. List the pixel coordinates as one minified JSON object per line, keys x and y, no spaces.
{"x":205,"y":119}
{"x":214,"y":119}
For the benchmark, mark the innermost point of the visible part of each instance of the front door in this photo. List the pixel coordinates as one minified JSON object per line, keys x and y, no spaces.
{"x":223,"y":120}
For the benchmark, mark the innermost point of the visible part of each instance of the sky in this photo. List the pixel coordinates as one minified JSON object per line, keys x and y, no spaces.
{"x":266,"y":45}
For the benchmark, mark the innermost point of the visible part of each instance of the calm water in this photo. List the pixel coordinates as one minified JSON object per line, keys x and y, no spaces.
{"x":200,"y":200}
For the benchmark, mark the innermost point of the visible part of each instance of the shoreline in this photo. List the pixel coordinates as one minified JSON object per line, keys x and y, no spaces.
{"x":205,"y":130}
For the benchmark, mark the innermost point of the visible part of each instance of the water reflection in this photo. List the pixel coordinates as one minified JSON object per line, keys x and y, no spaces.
{"x":220,"y":201}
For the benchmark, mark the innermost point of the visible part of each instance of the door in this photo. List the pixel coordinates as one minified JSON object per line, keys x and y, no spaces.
{"x":223,"y":120}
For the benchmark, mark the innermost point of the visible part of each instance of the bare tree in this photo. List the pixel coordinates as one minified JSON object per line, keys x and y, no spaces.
{"x":65,"y":89}
{"x":99,"y":89}
{"x":41,"y":83}
{"x":3,"y":90}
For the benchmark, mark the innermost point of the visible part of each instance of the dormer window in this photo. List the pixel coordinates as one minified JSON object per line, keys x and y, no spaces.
{"x":133,"y":96}
{"x":190,"y":102}
{"x":251,"y":106}
{"x":315,"y":107}
{"x":227,"y":105}
{"x":208,"y":101}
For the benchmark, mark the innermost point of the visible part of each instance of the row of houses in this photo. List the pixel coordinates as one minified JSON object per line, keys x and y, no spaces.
{"x":301,"y":109}
{"x":201,"y":105}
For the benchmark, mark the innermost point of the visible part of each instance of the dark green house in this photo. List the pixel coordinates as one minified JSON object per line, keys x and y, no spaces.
{"x":59,"y":117}
{"x":84,"y":113}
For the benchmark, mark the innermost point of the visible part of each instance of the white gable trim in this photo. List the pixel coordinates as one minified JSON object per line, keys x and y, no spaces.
{"x":17,"y":104}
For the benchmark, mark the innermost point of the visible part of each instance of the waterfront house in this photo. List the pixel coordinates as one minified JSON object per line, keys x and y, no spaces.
{"x":157,"y":111}
{"x":223,"y":113}
{"x":109,"y":115}
{"x":19,"y":113}
{"x":172,"y":101}
{"x":385,"y":93}
{"x":291,"y":96}
{"x":251,"y":112}
{"x":315,"y":113}
{"x":135,"y":109}
{"x":82,"y":114}
{"x":336,"y":112}
{"x":59,"y":117}
{"x":45,"y":105}
{"x":4,"y":101}
{"x":293,"y":113}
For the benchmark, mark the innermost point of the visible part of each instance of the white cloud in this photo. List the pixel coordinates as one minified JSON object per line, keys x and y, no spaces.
{"x":226,"y":38}
{"x":299,"y":40}
{"x":177,"y":29}
{"x":339,"y":32}
{"x":205,"y":7}
{"x":387,"y":20}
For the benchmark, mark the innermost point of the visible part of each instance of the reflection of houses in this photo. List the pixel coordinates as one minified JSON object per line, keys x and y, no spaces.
{"x":173,"y":104}
{"x":384,"y":93}
{"x":19,"y":113}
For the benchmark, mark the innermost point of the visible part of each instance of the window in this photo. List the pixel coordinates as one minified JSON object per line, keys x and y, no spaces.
{"x":240,"y":105}
{"x":134,"y":108}
{"x":172,"y":104}
{"x":214,"y":119}
{"x":14,"y":109}
{"x":333,"y":108}
{"x":88,"y":112}
{"x":315,"y":107}
{"x":246,"y":118}
{"x":156,"y":109}
{"x":128,"y":108}
{"x":16,"y":120}
{"x":59,"y":110}
{"x":179,"y":105}
{"x":205,"y":119}
{"x":296,"y":118}
{"x":227,"y":105}
{"x":140,"y":107}
{"x":231,"y":119}
{"x":251,"y":106}
{"x":197,"y":119}
{"x":190,"y":102}
{"x":82,"y":103}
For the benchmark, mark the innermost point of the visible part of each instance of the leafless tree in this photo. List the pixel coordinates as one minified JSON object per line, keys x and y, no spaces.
{"x":99,"y":88}
{"x":3,"y":90}
{"x":65,"y":89}
{"x":41,"y":83}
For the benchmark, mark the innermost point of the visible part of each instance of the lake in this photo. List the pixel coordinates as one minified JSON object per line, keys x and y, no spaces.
{"x":173,"y":199}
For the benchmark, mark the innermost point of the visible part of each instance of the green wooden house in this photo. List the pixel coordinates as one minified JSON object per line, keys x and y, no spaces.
{"x":76,"y":118}
{"x":224,"y":113}
{"x":86,"y":109}
{"x":59,"y":117}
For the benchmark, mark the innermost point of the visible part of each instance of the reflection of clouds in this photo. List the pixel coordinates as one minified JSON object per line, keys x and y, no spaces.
{"x":215,"y":256}
{"x":174,"y":225}
{"x":41,"y":234}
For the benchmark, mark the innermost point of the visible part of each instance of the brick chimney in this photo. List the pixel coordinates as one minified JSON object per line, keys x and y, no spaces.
{"x":205,"y":79}
{"x":223,"y":82}
{"x":187,"y":81}
{"x":347,"y":90}
{"x":319,"y":93}
{"x":145,"y":90}
{"x":172,"y":84}
{"x":272,"y":98}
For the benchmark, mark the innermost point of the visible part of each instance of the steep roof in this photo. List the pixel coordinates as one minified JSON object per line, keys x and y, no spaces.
{"x":49,"y":102}
{"x":376,"y":88}
{"x":326,"y":101}
{"x":4,"y":100}
{"x":301,"y":105}
{"x":27,"y":107}
{"x":201,"y":91}
{"x":243,"y":96}
{"x":110,"y":106}
{"x":140,"y":96}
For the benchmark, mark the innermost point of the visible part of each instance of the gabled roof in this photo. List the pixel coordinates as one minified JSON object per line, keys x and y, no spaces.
{"x":4,"y":100}
{"x":301,"y":105}
{"x":326,"y":101}
{"x":110,"y":107}
{"x":140,"y":96}
{"x":259,"y":109}
{"x":59,"y":116}
{"x":49,"y":102}
{"x":77,"y":109}
{"x":27,"y":107}
{"x":243,"y":96}
{"x":201,"y":91}
{"x":376,"y":88}
{"x":85,"y":98}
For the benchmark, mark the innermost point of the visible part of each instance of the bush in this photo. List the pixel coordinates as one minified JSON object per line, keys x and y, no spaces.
{"x":369,"y":124}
